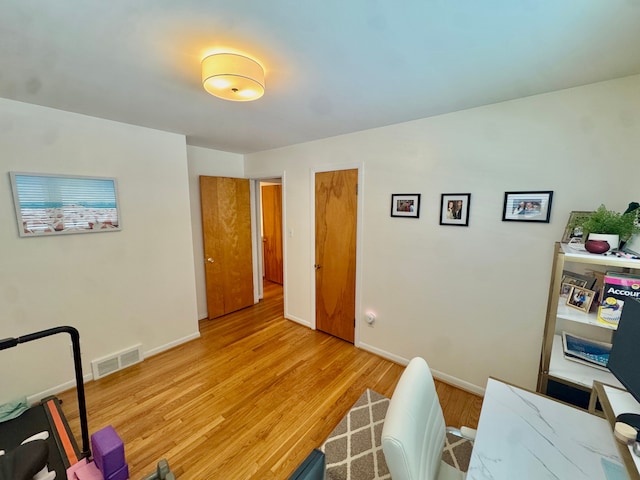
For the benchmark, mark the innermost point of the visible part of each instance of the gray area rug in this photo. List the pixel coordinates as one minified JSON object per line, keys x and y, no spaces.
{"x":354,"y":451}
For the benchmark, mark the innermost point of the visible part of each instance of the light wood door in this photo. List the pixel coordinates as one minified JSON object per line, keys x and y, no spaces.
{"x":272,"y":232}
{"x":336,"y":203}
{"x":226,"y":229}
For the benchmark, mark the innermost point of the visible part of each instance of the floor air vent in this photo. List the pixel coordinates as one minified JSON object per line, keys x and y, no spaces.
{"x":117,"y":361}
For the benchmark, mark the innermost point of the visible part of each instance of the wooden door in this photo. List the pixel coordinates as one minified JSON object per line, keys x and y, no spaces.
{"x":226,"y":229}
{"x":336,"y":217}
{"x":272,"y":232}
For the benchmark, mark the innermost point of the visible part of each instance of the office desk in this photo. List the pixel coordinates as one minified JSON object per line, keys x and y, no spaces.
{"x":615,"y":401}
{"x":523,"y":435}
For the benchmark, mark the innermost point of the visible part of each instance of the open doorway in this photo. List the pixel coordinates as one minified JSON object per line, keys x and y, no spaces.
{"x":269,"y":239}
{"x":272,"y":232}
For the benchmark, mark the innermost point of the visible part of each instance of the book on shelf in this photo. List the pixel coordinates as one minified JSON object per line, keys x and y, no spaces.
{"x":588,"y":352}
{"x":617,"y":288}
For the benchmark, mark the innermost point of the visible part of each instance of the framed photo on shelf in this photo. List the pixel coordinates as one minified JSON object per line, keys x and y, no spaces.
{"x":565,"y":289}
{"x":599,"y":280}
{"x":527,"y":206}
{"x":571,"y":232}
{"x":581,"y":298}
{"x":454,"y":209}
{"x":405,"y":205}
{"x":576,"y":279}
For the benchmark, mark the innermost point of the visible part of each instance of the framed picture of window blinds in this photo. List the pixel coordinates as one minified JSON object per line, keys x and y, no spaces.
{"x":63,"y":204}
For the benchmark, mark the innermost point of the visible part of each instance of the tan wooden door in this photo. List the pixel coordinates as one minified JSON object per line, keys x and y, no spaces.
{"x":336,"y":214}
{"x":272,"y":232}
{"x":226,"y":229}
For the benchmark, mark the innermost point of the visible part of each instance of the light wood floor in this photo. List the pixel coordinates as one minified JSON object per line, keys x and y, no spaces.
{"x":247,"y":400}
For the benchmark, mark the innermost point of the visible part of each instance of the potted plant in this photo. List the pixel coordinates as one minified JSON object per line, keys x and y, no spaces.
{"x":608,"y":226}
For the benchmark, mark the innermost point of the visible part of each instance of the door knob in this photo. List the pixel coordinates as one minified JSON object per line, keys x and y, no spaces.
{"x":210,"y":260}
{"x":316,"y":266}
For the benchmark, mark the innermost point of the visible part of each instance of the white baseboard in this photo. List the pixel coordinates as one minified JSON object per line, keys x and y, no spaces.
{"x":383,"y":353}
{"x":87,"y":377}
{"x":170,"y":345}
{"x":37,"y":397}
{"x":293,"y":318}
{"x":456,"y":382}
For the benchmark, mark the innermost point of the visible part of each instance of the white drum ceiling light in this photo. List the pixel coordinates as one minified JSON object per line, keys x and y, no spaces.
{"x":232,"y":77}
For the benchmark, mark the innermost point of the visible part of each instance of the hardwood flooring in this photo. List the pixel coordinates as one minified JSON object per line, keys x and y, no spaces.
{"x":248,"y":400}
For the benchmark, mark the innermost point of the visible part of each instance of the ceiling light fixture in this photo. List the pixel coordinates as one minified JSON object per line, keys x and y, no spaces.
{"x":232,"y":77}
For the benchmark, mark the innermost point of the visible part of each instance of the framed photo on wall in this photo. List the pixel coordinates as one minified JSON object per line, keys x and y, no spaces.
{"x":62,"y":204}
{"x":405,"y":205}
{"x":527,"y":206}
{"x":454,"y":209}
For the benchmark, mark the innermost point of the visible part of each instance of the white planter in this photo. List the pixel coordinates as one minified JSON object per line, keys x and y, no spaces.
{"x":633,"y":243}
{"x":612,"y":240}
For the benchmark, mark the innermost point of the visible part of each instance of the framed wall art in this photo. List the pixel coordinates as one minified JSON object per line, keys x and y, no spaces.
{"x":527,"y":206}
{"x":405,"y":205}
{"x":454,"y":209}
{"x":62,"y":204}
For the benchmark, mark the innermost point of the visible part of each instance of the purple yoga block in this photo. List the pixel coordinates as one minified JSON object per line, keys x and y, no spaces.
{"x":108,"y":452}
{"x":121,"y":474}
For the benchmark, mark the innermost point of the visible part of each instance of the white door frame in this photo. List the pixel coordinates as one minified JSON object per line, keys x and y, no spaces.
{"x":256,"y":213}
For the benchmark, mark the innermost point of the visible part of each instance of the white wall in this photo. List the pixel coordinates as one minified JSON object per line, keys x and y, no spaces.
{"x":204,"y":161}
{"x":470,"y":300}
{"x":116,"y":288}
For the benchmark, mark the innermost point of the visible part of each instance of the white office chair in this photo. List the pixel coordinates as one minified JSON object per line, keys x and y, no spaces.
{"x":414,"y":432}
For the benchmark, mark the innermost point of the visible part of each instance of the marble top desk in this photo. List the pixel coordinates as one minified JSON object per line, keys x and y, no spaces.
{"x":615,"y":401}
{"x":524,"y":435}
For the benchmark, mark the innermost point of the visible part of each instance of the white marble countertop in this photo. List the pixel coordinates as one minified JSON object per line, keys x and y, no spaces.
{"x":621,"y":401}
{"x":523,"y":435}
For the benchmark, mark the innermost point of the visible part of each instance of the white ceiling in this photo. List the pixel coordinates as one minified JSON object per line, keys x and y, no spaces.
{"x":332,"y":66}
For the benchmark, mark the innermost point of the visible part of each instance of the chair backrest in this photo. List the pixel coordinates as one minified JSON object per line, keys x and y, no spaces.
{"x":414,"y":429}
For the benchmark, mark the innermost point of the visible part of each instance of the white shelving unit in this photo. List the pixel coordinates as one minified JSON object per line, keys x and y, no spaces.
{"x":562,"y":369}
{"x":561,"y":317}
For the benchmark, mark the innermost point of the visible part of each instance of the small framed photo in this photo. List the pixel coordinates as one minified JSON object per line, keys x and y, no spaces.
{"x":578,"y":280}
{"x":581,"y":298}
{"x":454,"y":209}
{"x":527,"y":206}
{"x":565,"y":289}
{"x":571,"y":231}
{"x":405,"y":205}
